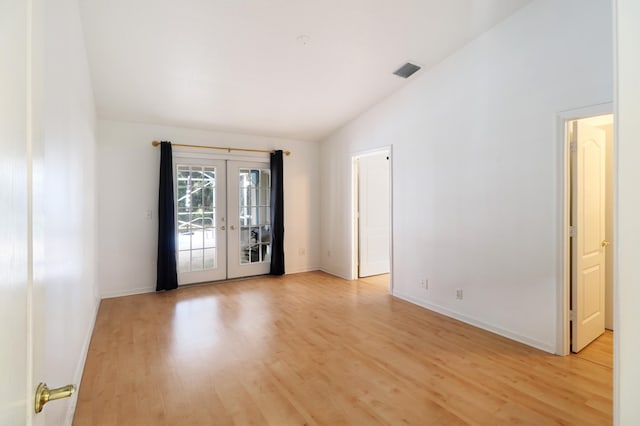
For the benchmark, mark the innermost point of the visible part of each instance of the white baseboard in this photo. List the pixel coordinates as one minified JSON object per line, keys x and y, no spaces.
{"x":477,"y":323}
{"x":77,"y":376}
{"x":131,"y":292}
{"x":335,"y":274}
{"x":302,"y":270}
{"x":144,"y":290}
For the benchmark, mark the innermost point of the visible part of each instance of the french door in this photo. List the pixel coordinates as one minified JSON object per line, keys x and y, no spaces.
{"x":223,"y":219}
{"x":249,"y":236}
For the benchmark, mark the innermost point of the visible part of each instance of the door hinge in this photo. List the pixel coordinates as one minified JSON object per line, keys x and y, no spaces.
{"x":572,"y":315}
{"x":572,"y":231}
{"x":573,"y":146}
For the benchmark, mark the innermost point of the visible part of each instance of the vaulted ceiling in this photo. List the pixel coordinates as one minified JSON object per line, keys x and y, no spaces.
{"x":295,"y":69}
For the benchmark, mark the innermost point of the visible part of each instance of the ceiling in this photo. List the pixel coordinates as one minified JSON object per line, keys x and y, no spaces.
{"x":239,"y":65}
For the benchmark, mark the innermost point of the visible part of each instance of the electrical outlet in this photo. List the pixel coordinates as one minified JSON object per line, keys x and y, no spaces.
{"x":426,"y":284}
{"x":459,"y":294}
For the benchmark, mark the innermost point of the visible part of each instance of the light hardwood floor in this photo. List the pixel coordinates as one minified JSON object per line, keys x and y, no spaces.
{"x":312,"y":349}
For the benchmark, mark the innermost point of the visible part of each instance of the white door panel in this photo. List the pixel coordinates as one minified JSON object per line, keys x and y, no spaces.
{"x":374,"y":214}
{"x":37,"y":243}
{"x":588,"y":253}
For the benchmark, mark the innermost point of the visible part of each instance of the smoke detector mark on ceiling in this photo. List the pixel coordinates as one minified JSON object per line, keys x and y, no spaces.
{"x":303,"y":39}
{"x":407,"y":70}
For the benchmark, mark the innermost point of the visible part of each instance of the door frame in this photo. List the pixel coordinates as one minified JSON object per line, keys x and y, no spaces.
{"x":563,"y":344}
{"x":192,"y":155}
{"x":354,"y":210}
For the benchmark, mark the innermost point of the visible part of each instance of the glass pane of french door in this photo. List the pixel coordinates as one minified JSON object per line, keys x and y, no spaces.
{"x":200,"y":217}
{"x":249,"y":211}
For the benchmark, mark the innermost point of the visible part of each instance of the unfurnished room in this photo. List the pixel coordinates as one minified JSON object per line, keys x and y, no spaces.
{"x":331,"y":212}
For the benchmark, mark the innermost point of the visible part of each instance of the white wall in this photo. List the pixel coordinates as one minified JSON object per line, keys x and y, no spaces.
{"x":627,"y":243}
{"x":64,"y":214}
{"x":128,"y":187}
{"x":477,"y":170}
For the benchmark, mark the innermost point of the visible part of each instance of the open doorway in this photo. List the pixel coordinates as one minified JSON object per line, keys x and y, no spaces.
{"x":372,"y":211}
{"x":589,"y":212}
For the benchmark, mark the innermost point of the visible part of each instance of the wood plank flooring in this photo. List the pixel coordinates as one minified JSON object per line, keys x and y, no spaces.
{"x":599,"y":351}
{"x":312,"y":349}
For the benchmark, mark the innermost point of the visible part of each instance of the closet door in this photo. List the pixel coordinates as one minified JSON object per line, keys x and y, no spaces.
{"x":249,"y":233}
{"x":201,"y":220}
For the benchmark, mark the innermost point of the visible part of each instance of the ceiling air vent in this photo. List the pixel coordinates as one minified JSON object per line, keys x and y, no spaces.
{"x":407,"y":70}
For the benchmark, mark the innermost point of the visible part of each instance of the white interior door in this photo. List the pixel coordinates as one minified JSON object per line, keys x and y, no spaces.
{"x":374,"y":214}
{"x":588,"y":243}
{"x":201,"y":216}
{"x":249,"y":237}
{"x":22,"y":304}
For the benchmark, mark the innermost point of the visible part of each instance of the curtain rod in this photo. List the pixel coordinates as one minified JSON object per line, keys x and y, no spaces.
{"x":287,"y":153}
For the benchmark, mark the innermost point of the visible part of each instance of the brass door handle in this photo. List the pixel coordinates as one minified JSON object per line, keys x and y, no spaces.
{"x":233,"y":227}
{"x":604,"y":243}
{"x":44,"y":395}
{"x":223,"y":228}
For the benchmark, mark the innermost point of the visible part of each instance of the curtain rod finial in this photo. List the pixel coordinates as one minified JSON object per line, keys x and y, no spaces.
{"x":155,"y":143}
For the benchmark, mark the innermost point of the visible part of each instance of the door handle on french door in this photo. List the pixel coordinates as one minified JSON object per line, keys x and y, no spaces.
{"x":223,"y":228}
{"x":233,"y":227}
{"x":44,"y":395}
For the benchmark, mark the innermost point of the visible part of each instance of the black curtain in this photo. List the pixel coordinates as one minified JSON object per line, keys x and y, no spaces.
{"x":167,"y":278}
{"x":277,"y":215}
